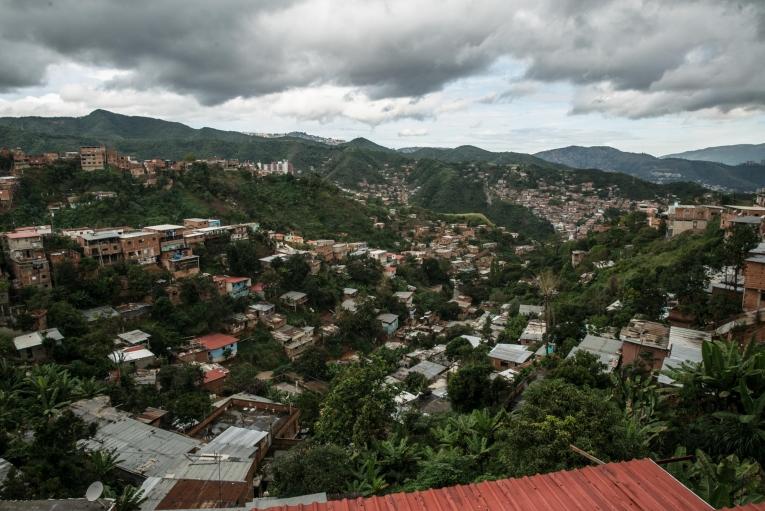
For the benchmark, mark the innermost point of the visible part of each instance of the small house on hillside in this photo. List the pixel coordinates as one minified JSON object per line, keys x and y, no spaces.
{"x":219,"y":347}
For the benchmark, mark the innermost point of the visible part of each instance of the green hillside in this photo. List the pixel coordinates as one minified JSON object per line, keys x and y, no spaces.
{"x":310,"y":205}
{"x":647,"y":167}
{"x":446,"y":188}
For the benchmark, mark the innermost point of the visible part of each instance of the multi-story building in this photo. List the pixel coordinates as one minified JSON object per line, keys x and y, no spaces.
{"x":175,"y":254}
{"x":26,"y":256}
{"x":103,"y":246}
{"x":141,"y":247}
{"x":276,"y":167}
{"x":690,"y":218}
{"x":92,"y":158}
{"x":8,"y":186}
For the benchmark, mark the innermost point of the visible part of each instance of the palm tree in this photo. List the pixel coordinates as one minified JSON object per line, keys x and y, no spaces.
{"x":548,"y":284}
{"x":129,"y":500}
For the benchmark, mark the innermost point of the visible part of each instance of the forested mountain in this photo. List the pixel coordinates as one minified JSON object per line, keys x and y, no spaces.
{"x":645,"y":166}
{"x":727,"y":154}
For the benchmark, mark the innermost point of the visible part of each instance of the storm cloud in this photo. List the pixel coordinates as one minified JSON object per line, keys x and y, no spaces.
{"x":627,"y":58}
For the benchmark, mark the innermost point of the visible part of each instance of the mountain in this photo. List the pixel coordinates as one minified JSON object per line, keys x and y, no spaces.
{"x":727,"y":154}
{"x":662,"y":170}
{"x":469,"y":153}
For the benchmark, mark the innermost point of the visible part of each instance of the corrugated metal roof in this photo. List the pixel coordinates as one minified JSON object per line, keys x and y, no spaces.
{"x":204,"y":495}
{"x":142,"y":449}
{"x":428,"y":369}
{"x":235,"y":441}
{"x":511,"y":353}
{"x":638,"y":485}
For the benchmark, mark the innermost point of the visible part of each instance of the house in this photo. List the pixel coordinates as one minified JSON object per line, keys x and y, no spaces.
{"x":294,"y":298}
{"x":430,"y":370}
{"x":531,"y":310}
{"x":32,"y":346}
{"x":645,"y":342}
{"x":637,"y":485}
{"x":99,"y":313}
{"x":533,"y":333}
{"x":137,"y":357}
{"x":754,"y":283}
{"x":133,"y":337}
{"x":389,"y":322}
{"x":405,"y":297}
{"x":503,"y":356}
{"x":219,"y":347}
{"x":264,"y":311}
{"x":235,"y":287}
{"x":684,"y":348}
{"x":607,"y":351}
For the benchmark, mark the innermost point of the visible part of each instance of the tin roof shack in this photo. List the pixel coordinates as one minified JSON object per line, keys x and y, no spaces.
{"x":388,"y":322}
{"x":143,"y":450}
{"x":684,"y":347}
{"x":645,"y":342}
{"x":503,"y":356}
{"x":31,"y":346}
{"x":533,"y":333}
{"x":607,"y":351}
{"x":531,"y":310}
{"x":137,"y":357}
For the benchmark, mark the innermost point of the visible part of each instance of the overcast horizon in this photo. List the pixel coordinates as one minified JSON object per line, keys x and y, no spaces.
{"x":516,"y":75}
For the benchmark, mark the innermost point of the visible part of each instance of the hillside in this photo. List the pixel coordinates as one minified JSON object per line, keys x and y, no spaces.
{"x":445,"y":188}
{"x":310,"y":205}
{"x":727,"y":154}
{"x":645,"y":166}
{"x":469,"y":153}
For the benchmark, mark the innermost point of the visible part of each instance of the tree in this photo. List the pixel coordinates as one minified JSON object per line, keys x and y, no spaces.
{"x":582,"y":369}
{"x":556,"y":414}
{"x":243,"y":258}
{"x":548,"y":287}
{"x":364,"y":270}
{"x":736,"y":247}
{"x":311,"y":468}
{"x":471,"y":388}
{"x":312,"y":363}
{"x":358,"y":407}
{"x":67,"y":319}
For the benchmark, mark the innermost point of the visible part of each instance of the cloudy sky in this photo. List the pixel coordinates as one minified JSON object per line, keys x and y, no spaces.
{"x":525,"y":75}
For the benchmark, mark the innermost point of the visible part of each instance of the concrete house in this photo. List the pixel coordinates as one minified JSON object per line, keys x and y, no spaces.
{"x":504,"y":356}
{"x":389,"y":322}
{"x":219,"y":347}
{"x":31,"y":346}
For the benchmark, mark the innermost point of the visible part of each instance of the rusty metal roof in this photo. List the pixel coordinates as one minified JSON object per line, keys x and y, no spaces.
{"x":638,"y":485}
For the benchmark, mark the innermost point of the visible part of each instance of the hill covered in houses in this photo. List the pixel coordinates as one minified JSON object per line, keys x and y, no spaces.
{"x":369,"y":339}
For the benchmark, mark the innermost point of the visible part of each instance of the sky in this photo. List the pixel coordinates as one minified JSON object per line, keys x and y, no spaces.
{"x":650,"y":76}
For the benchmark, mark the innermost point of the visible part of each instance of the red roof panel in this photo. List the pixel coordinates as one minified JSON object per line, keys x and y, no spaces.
{"x":638,"y":485}
{"x":216,"y":341}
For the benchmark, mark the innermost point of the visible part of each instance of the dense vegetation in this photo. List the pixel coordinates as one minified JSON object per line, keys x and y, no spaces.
{"x":311,"y":206}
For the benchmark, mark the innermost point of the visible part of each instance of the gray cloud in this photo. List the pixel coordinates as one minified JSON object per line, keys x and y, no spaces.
{"x":633,"y":58}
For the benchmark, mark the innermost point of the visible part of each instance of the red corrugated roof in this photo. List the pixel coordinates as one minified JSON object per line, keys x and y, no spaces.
{"x":216,"y":341}
{"x":638,"y":485}
{"x":215,"y":374}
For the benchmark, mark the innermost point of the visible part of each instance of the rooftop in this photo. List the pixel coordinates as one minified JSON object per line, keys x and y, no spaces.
{"x":511,"y":352}
{"x":216,"y":341}
{"x":646,"y":333}
{"x":638,"y":485}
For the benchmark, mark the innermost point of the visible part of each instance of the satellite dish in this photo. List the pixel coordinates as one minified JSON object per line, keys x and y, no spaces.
{"x":94,"y":491}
